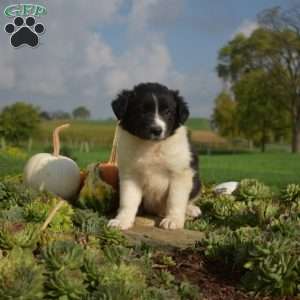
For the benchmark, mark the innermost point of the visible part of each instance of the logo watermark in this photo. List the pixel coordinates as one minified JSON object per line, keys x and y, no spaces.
{"x":24,"y":29}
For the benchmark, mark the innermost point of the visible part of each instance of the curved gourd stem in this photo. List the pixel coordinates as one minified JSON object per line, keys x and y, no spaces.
{"x":113,"y":154}
{"x":56,"y":141}
{"x":56,"y":150}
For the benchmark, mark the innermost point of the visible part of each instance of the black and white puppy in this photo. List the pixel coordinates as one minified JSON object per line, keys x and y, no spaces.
{"x":157,"y":166}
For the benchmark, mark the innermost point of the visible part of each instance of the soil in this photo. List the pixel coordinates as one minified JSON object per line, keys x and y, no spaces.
{"x":215,"y":282}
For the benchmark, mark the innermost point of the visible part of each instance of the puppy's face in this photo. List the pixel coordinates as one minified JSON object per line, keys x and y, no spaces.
{"x":150,"y":111}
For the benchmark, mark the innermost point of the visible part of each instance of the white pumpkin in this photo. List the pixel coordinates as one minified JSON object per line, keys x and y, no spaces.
{"x":53,"y":172}
{"x":226,"y":188}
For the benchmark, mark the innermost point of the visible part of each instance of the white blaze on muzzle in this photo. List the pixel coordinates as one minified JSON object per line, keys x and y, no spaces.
{"x":158,"y":121}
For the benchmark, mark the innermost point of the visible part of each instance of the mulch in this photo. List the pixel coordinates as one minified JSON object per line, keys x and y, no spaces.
{"x":214,"y":281}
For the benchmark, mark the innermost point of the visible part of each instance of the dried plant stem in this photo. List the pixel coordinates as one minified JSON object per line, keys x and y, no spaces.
{"x":52,"y":214}
{"x":113,"y":155}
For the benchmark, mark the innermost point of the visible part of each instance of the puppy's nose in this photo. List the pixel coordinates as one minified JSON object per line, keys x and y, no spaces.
{"x":156,"y":130}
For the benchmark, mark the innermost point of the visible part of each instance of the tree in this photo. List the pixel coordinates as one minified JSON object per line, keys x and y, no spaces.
{"x":224,"y":115}
{"x":81,"y":112}
{"x":259,"y":113}
{"x":60,"y":115}
{"x":18,"y":122}
{"x":275,"y":49}
{"x":44,"y":115}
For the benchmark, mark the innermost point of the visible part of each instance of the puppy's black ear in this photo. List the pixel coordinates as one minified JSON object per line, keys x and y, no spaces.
{"x":119,"y":105}
{"x":182,"y":108}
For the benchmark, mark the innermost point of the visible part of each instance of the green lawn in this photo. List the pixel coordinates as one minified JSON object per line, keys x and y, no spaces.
{"x":198,"y":124}
{"x":275,"y":169}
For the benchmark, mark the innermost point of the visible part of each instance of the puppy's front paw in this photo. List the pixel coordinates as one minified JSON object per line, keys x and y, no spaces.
{"x":121,"y":224}
{"x":171,"y":223}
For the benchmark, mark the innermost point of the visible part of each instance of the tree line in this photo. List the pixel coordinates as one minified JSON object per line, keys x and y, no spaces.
{"x":20,"y":120}
{"x":261,"y":75}
{"x":80,"y":113}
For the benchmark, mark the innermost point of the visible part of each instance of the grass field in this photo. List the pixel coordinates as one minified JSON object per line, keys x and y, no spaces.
{"x":275,"y":169}
{"x":96,"y":133}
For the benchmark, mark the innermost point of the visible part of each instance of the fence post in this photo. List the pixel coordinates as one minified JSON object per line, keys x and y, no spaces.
{"x":3,"y":143}
{"x":87,"y":147}
{"x":29,"y":146}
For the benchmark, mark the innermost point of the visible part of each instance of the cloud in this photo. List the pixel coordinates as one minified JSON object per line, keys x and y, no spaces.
{"x":64,"y":47}
{"x":246,"y":28}
{"x":153,"y":13}
{"x":75,"y":65}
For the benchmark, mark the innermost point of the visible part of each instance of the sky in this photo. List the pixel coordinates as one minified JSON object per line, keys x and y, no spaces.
{"x":92,"y":49}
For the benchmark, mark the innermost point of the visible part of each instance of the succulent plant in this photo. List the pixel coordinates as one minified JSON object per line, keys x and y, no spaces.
{"x":111,"y":236}
{"x":291,"y":194}
{"x":230,"y":246}
{"x":224,"y":207}
{"x":122,"y":281}
{"x":264,"y":211}
{"x":273,"y":267}
{"x":286,"y":225}
{"x":66,"y":284}
{"x":251,"y":233}
{"x":12,"y":193}
{"x":18,"y":235}
{"x":14,"y":214}
{"x":88,"y":221}
{"x":37,"y":211}
{"x":63,"y":253}
{"x":201,"y":224}
{"x":252,"y":189}
{"x":219,"y":245}
{"x":21,"y":278}
{"x":115,"y":254}
{"x":93,"y":260}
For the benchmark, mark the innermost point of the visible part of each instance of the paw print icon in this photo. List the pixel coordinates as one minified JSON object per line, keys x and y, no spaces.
{"x":24,"y":32}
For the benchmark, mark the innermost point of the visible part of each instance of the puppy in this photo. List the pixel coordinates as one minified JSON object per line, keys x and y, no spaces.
{"x":157,"y":167}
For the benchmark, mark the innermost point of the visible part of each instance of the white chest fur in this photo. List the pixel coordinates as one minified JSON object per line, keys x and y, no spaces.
{"x":152,"y":164}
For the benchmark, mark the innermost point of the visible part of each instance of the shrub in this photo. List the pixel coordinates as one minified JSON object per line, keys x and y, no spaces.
{"x":18,"y":122}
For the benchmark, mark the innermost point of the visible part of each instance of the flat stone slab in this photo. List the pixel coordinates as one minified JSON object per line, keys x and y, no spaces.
{"x":146,"y":231}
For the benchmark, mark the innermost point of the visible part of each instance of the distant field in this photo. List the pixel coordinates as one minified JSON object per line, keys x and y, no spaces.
{"x":98,"y":134}
{"x":198,"y":124}
{"x":275,"y":169}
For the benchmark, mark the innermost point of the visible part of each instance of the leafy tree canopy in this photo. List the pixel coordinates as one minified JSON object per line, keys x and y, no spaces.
{"x":224,"y":115}
{"x":19,"y":121}
{"x":81,"y":112}
{"x":274,"y":48}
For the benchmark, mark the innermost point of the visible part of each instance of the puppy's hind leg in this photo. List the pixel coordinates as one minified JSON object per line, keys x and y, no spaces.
{"x":192,"y":211}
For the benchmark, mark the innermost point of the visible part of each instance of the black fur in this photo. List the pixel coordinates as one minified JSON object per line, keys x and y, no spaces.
{"x":195,"y":166}
{"x":139,"y":102}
